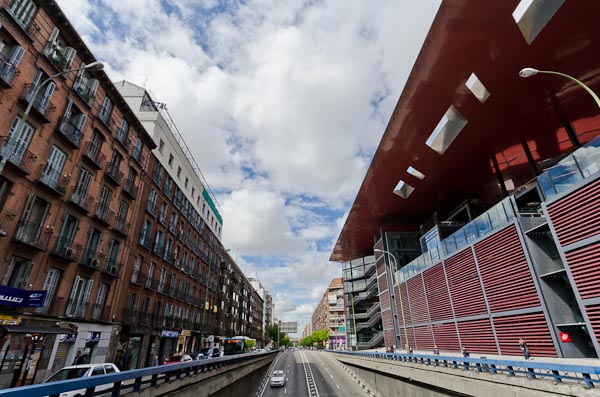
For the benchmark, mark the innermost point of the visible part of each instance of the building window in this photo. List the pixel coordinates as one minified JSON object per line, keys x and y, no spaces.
{"x":179,"y":173}
{"x":161,"y":146}
{"x":23,"y":11}
{"x":145,"y":233}
{"x":171,"y":160}
{"x":80,"y":294}
{"x":105,"y":110}
{"x":136,"y":269}
{"x":17,"y":273}
{"x":58,"y":52}
{"x":100,"y":299}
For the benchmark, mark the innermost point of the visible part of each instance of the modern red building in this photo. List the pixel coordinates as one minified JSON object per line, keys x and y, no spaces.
{"x":481,"y":201}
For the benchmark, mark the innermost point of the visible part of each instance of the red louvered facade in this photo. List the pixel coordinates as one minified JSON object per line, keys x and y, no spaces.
{"x":504,"y":207}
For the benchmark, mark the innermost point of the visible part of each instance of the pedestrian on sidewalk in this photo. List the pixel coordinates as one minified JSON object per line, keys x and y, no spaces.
{"x":524,"y":349}
{"x":465,"y":352}
{"x":78,"y":360}
{"x":436,"y":351}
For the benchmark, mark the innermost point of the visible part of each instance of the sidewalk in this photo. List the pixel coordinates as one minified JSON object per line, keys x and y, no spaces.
{"x":594,"y":362}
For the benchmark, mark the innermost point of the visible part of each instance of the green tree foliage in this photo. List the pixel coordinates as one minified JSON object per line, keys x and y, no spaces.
{"x":250,"y":343}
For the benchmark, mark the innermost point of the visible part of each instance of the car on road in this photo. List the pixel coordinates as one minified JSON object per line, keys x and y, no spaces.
{"x":277,"y":378}
{"x":178,"y":358}
{"x":83,"y":371}
{"x":208,"y":352}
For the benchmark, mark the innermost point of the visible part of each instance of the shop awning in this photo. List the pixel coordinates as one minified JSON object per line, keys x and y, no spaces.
{"x":27,"y":329}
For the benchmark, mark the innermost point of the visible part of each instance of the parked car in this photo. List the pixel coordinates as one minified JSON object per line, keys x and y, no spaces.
{"x":178,"y":358}
{"x":83,"y":371}
{"x":277,"y":378}
{"x":208,"y":352}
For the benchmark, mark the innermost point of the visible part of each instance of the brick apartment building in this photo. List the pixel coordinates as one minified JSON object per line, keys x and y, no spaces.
{"x":110,"y":235}
{"x":329,"y":314}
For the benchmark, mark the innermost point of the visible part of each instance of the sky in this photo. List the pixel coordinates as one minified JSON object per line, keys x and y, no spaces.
{"x":281,"y":102}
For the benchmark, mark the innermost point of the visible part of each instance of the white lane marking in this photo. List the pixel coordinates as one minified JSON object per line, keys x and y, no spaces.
{"x":261,"y":392}
{"x":310,"y":380}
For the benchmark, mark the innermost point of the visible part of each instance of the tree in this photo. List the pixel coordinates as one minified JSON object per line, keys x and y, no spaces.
{"x":250,"y":343}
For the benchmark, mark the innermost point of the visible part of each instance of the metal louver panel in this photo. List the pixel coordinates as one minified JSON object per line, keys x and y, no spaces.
{"x":584,"y":267}
{"x":404,"y":305}
{"x":438,"y":299}
{"x":533,"y":328}
{"x":384,"y":301}
{"x":418,"y":303}
{"x":593,"y":313}
{"x":465,"y":287}
{"x":423,"y":338}
{"x":446,"y":337}
{"x":506,"y":277}
{"x":574,"y":225}
{"x":477,"y":336}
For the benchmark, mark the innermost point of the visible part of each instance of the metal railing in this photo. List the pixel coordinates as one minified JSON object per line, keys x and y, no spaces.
{"x":32,"y":234}
{"x":587,"y":376}
{"x":41,"y":103}
{"x":69,"y":131}
{"x":8,"y":71}
{"x":92,"y":152}
{"x":17,"y":154}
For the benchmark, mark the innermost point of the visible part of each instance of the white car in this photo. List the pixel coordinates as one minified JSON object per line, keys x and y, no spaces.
{"x":277,"y":378}
{"x":83,"y":371}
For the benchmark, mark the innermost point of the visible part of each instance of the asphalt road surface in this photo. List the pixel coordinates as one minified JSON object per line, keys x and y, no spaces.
{"x":310,"y":373}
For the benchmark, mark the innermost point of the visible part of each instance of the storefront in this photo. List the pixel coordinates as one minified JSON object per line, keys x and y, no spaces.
{"x":27,"y":346}
{"x":168,"y":344}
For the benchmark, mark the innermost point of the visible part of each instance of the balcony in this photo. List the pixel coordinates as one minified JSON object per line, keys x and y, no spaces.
{"x":152,"y":284}
{"x":6,"y":221}
{"x":41,"y":103}
{"x":129,"y":188}
{"x":76,"y":308}
{"x":122,"y":226}
{"x":8,"y":72}
{"x":66,"y":249}
{"x":138,"y":156}
{"x":103,"y":213}
{"x":100,"y":312}
{"x":92,"y":153}
{"x":52,"y":178}
{"x":17,"y":154}
{"x":123,"y":140}
{"x":86,"y":92}
{"x":140,"y":279}
{"x":23,"y":21}
{"x":71,"y":132}
{"x":81,"y":199}
{"x":112,"y":268}
{"x":32,"y":234}
{"x":113,"y":173}
{"x":92,"y":259}
{"x":107,"y":121}
{"x":146,"y":242}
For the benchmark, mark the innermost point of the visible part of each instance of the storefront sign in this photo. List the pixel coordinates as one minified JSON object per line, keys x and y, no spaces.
{"x":10,"y":320}
{"x":93,"y":337}
{"x":186,"y":332}
{"x":169,"y":334}
{"x":21,"y":297}
{"x":68,"y":338}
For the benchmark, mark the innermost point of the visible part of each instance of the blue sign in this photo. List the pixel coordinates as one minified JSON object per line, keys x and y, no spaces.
{"x":21,"y":297}
{"x":169,"y":334}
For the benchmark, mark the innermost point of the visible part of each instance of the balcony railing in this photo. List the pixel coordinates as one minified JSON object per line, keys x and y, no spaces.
{"x":52,"y":178}
{"x":17,"y":154}
{"x":32,"y":234}
{"x":130,"y":187}
{"x":67,"y":129}
{"x":92,"y":152}
{"x":23,"y":19}
{"x":41,"y":103}
{"x":76,"y":308}
{"x":101,"y":312}
{"x":103,"y":213}
{"x":85,"y":92}
{"x":112,"y":171}
{"x":93,"y":259}
{"x":122,"y":226}
{"x":112,"y":268}
{"x":66,"y":249}
{"x":82,"y":199}
{"x":8,"y":71}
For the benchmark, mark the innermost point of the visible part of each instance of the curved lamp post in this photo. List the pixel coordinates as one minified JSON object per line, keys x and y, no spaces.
{"x":92,"y":67}
{"x":528,"y":72}
{"x":401,"y":303}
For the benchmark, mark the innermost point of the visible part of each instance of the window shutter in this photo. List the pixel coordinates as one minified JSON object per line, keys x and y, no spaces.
{"x":81,"y":122}
{"x":51,"y":41}
{"x":79,"y":77}
{"x":8,"y":272}
{"x":69,"y":56}
{"x":93,"y":88}
{"x":47,"y":95}
{"x":67,"y":114}
{"x":16,"y":56}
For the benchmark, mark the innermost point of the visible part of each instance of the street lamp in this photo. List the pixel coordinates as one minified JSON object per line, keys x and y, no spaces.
{"x":401,"y":303}
{"x":528,"y":72}
{"x":92,"y":67}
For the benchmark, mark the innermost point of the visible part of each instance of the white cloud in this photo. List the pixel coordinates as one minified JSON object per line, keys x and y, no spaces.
{"x":282,"y":104}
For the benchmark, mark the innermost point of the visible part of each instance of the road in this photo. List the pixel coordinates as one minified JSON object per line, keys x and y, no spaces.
{"x":311,"y":373}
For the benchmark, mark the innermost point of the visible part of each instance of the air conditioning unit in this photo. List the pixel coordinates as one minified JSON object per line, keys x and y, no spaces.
{"x":69,"y":251}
